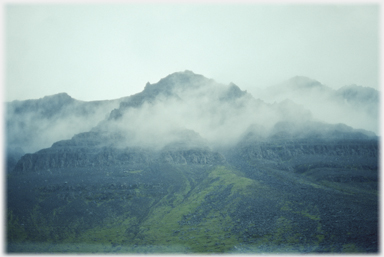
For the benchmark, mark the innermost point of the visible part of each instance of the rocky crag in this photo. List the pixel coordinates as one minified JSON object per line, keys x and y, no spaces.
{"x":35,"y":124}
{"x":296,"y":186}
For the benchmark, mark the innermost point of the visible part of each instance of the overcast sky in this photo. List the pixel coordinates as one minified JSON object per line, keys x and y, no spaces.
{"x":96,"y":52}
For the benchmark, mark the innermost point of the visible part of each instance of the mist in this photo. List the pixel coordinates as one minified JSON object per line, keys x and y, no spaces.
{"x":353,"y":105}
{"x":187,"y":110}
{"x":216,"y":115}
{"x":36,"y":124}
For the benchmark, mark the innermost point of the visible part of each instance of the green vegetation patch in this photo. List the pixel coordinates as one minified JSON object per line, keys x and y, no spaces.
{"x":193,"y":221}
{"x":351,"y":248}
{"x":230,"y":177}
{"x":15,"y":229}
{"x":302,"y":212}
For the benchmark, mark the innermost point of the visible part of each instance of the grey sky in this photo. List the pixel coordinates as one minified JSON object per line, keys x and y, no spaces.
{"x":96,"y":52}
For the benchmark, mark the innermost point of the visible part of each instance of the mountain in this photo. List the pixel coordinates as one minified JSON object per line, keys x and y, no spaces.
{"x":353,"y":105}
{"x":364,"y":98}
{"x":190,"y":165}
{"x":35,"y":124}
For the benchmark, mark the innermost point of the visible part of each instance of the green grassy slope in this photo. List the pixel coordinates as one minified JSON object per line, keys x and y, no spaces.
{"x":172,"y":208}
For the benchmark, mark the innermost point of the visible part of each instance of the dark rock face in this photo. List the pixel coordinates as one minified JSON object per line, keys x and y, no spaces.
{"x":298,"y":186}
{"x":13,"y":155}
{"x":192,"y":156}
{"x":288,"y":150}
{"x":301,"y":156}
{"x":290,"y":196}
{"x":66,"y":155}
{"x":265,"y":193}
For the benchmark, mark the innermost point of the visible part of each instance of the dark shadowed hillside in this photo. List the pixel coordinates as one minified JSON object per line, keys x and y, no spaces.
{"x":189,"y":165}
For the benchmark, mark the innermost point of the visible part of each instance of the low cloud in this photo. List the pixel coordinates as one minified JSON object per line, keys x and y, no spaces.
{"x":188,"y":110}
{"x":353,"y":105}
{"x":219,"y":114}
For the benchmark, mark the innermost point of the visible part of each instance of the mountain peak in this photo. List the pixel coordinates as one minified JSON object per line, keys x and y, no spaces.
{"x":180,"y":80}
{"x":61,"y":94}
{"x":61,"y":97}
{"x":184,"y":78}
{"x":301,"y":82}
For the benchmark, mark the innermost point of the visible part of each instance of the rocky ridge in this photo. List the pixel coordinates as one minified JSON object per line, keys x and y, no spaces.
{"x":296,"y":186}
{"x":35,"y":124}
